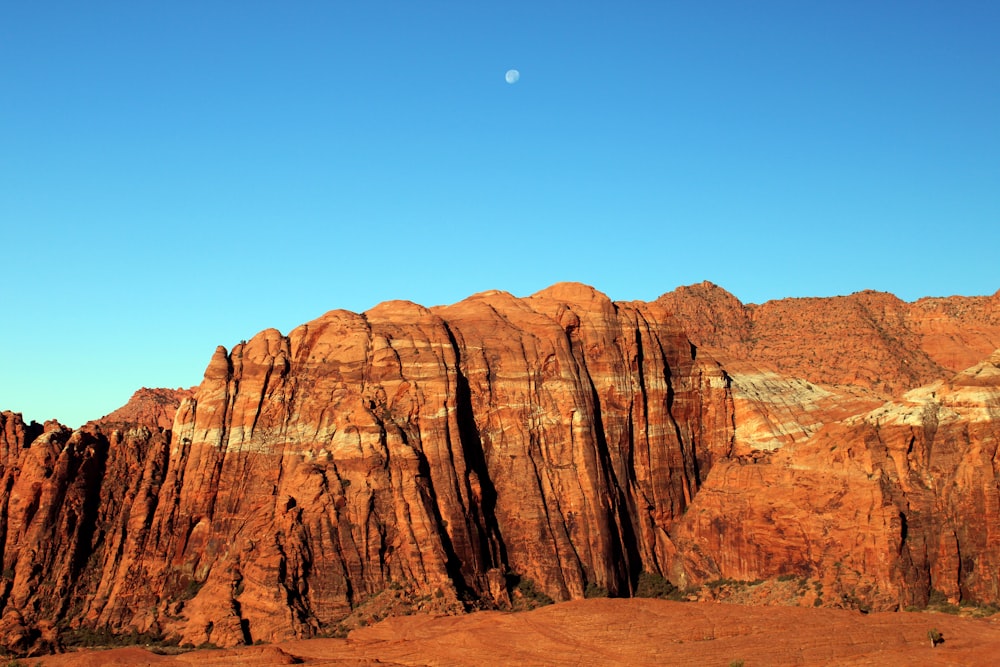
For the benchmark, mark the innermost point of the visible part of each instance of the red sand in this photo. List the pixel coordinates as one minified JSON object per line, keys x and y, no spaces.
{"x":617,"y":632}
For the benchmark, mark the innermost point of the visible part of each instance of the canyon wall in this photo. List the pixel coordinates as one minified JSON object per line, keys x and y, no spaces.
{"x":867,"y":339}
{"x":448,"y":454}
{"x":885,"y":507}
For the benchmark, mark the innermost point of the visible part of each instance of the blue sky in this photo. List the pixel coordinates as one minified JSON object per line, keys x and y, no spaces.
{"x":174,"y":176}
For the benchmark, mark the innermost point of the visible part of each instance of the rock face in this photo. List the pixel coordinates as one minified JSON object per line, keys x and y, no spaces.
{"x":884,"y":507}
{"x":868,"y":339}
{"x":154,"y":408}
{"x":553,"y":437}
{"x":446,"y":454}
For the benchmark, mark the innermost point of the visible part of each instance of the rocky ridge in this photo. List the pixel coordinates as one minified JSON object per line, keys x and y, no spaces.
{"x":867,"y":339}
{"x":153,"y":408}
{"x":883,"y":507}
{"x":449,"y":456}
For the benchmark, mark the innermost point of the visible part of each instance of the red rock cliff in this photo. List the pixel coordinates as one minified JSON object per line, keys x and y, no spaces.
{"x":445,"y":453}
{"x":867,"y":339}
{"x":885,"y":507}
{"x":154,"y":408}
{"x":442,"y":451}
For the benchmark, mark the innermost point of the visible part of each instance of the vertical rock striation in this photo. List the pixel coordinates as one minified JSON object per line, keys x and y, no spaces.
{"x":450,"y":452}
{"x":885,"y":508}
{"x":446,"y":451}
{"x":866,"y":339}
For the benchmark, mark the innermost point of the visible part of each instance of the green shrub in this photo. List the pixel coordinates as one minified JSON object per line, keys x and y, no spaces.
{"x":184,"y":587}
{"x":595,"y":591}
{"x":937,"y":598}
{"x":531,"y":593}
{"x":338,"y":631}
{"x":984,"y":610}
{"x":939,"y":602}
{"x":652,"y":585}
{"x":93,"y":637}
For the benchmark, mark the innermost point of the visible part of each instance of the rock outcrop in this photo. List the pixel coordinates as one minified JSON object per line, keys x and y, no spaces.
{"x":885,"y":507}
{"x":153,"y":408}
{"x":867,"y":339}
{"x":441,"y":456}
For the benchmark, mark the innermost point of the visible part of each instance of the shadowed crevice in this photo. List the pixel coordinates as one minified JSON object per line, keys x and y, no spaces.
{"x":492,"y":550}
{"x":625,"y":550}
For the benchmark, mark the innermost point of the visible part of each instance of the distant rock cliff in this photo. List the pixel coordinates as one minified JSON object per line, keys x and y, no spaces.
{"x":868,"y":339}
{"x":434,"y":458}
{"x":154,"y":408}
{"x":884,"y":507}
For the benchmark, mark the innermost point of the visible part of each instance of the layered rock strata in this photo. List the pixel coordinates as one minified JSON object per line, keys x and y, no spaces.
{"x":553,"y":438}
{"x":154,"y":408}
{"x":885,"y":507}
{"x":451,"y":452}
{"x":867,"y":339}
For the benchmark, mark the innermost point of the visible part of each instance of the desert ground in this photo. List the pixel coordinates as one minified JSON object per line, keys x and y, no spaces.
{"x":614,"y":632}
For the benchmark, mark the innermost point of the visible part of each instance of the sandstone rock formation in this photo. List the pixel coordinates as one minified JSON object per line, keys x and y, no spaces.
{"x":884,"y":507}
{"x":154,"y":408}
{"x":867,"y":339}
{"x":442,"y":455}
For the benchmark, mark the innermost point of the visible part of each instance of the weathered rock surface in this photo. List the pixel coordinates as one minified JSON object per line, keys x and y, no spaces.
{"x":883,"y":508}
{"x":867,"y":339}
{"x":153,"y":408}
{"x":437,"y":457}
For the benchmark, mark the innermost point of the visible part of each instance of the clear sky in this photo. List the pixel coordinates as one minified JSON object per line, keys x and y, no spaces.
{"x":179,"y":175}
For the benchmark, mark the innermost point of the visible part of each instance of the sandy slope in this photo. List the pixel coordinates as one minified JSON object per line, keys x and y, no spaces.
{"x":618,"y":632}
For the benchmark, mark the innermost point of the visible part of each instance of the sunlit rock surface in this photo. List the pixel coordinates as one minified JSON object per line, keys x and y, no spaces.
{"x":437,"y":458}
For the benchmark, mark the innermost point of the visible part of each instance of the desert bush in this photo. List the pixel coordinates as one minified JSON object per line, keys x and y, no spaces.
{"x":937,"y":598}
{"x":189,"y":588}
{"x":595,"y":591}
{"x":939,"y":602}
{"x":652,"y":585}
{"x":980,"y":611}
{"x":92,"y":637}
{"x":530,"y":592}
{"x":338,"y":631}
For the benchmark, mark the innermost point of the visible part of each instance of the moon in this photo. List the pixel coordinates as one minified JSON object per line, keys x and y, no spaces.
{"x":512,"y":76}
